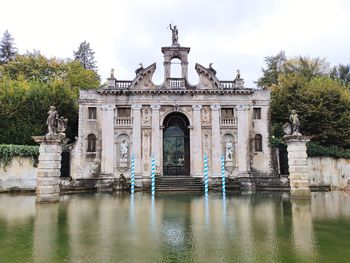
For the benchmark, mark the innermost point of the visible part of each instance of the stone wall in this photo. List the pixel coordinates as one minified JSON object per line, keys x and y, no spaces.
{"x":329,"y":171}
{"x":19,"y":175}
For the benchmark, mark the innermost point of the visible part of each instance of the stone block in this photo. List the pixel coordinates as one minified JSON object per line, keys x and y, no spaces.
{"x":46,"y":181}
{"x":47,"y":198}
{"x":298,"y":169}
{"x":49,"y":165}
{"x":297,"y":162}
{"x":49,"y":173}
{"x":300,"y":183}
{"x":298,"y":176}
{"x":48,"y":189}
{"x":49,"y":148}
{"x":297,"y":154}
{"x":50,"y":157}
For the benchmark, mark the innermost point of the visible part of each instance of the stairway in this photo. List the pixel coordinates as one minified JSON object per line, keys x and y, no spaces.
{"x":179,"y":183}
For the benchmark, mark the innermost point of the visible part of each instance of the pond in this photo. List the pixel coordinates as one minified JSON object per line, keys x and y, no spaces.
{"x":176,"y":228}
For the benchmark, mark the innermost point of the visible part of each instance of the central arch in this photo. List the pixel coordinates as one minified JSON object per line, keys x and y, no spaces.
{"x":176,"y":145}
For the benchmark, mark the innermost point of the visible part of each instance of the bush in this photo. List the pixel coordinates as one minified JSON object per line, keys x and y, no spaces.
{"x":8,"y":151}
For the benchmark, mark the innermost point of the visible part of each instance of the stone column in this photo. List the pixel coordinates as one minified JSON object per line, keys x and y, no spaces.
{"x":156,"y":134}
{"x":136,"y":142}
{"x":197,"y":156}
{"x":48,"y":174}
{"x":297,"y":160}
{"x":244,"y":175}
{"x":107,"y":125}
{"x":215,"y":137}
{"x":243,"y":140}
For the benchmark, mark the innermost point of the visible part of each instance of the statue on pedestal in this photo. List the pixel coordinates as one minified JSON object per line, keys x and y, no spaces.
{"x":175,"y":35}
{"x":124,"y":150}
{"x":55,"y":125}
{"x":293,"y":126}
{"x":229,"y":150}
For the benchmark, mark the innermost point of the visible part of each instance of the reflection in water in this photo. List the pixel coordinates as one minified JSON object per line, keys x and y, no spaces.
{"x":176,"y":228}
{"x":303,"y":236}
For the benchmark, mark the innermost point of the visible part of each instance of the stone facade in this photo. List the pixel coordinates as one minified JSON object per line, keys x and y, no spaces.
{"x":176,"y":121}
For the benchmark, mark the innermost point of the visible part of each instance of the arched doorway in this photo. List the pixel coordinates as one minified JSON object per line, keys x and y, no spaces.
{"x":176,"y":145}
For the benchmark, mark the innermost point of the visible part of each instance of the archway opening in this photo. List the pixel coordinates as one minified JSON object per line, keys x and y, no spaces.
{"x":176,"y":145}
{"x":175,"y":69}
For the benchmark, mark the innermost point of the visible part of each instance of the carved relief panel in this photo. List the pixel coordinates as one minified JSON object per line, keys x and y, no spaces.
{"x":146,"y":149}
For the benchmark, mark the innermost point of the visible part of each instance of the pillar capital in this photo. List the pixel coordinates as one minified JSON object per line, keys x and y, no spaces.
{"x":136,"y":106}
{"x":107,"y":107}
{"x":242,"y":108}
{"x":155,"y":107}
{"x":215,"y":107}
{"x":197,"y":107}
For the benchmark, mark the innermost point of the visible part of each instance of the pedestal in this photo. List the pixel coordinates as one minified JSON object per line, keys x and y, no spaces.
{"x":48,"y":175}
{"x":297,"y":161}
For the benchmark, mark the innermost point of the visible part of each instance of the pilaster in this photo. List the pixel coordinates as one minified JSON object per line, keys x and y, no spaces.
{"x":107,"y":124}
{"x":215,"y":144}
{"x":156,"y":134}
{"x":197,"y":142}
{"x":244,"y":174}
{"x":136,"y":141}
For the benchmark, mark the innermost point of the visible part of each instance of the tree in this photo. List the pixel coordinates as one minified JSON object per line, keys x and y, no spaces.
{"x":85,"y":55}
{"x":8,"y":50}
{"x":29,"y":85}
{"x":322,"y":103}
{"x":342,"y":73}
{"x":273,"y":70}
{"x":280,"y":64}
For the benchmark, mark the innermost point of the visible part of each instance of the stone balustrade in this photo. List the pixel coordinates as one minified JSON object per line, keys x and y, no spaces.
{"x":122,"y":121}
{"x":123,"y":84}
{"x":228,"y":121}
{"x":176,"y":82}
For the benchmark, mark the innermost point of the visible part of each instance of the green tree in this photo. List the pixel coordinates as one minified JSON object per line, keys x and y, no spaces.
{"x":273,"y":70}
{"x":342,"y":73}
{"x":85,"y":55}
{"x":29,"y":85}
{"x":322,"y":103}
{"x":8,"y":51}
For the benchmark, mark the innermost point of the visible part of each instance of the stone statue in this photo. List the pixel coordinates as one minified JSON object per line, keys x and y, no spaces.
{"x":52,"y":123}
{"x":175,"y":35}
{"x":140,"y":69}
{"x":294,"y":120}
{"x":124,"y":150}
{"x":229,"y":150}
{"x":238,"y":75}
{"x":112,"y":73}
{"x":146,"y":115}
{"x":211,"y":69}
{"x":95,"y":167}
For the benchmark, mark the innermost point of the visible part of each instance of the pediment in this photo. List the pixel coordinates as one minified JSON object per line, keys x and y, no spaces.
{"x":207,"y":78}
{"x":143,"y":79}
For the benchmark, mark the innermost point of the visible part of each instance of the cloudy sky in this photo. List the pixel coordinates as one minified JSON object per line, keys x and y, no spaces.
{"x":232,"y":34}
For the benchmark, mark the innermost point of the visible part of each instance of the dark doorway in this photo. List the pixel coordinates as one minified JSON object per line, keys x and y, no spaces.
{"x":176,"y":145}
{"x":65,"y":164}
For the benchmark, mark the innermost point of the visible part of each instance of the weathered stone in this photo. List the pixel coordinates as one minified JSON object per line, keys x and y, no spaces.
{"x":48,"y":181}
{"x":48,"y":189}
{"x":212,"y":107}
{"x":49,"y":164}
{"x":50,"y":157}
{"x":297,"y":160}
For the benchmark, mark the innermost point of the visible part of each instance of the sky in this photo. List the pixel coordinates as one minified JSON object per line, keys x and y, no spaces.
{"x":231,"y":34}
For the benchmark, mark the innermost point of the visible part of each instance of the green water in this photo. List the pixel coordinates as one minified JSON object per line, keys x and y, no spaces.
{"x":176,"y":228}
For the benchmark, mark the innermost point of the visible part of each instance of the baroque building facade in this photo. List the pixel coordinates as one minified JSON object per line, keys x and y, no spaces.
{"x":176,"y":122}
